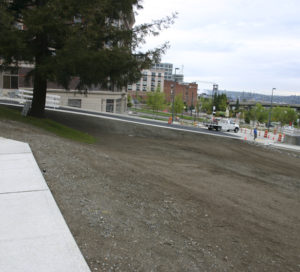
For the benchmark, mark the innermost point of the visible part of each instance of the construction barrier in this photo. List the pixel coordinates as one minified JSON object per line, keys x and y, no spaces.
{"x":266,"y":134}
{"x":279,"y":137}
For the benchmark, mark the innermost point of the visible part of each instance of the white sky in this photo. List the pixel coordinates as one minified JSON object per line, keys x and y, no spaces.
{"x":242,"y":45}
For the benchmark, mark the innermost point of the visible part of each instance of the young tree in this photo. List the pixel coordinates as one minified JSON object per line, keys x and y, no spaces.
{"x":284,"y":115}
{"x":129,"y":99}
{"x":63,"y":39}
{"x":156,"y":100}
{"x":206,"y":104}
{"x":178,"y":104}
{"x":259,"y":113}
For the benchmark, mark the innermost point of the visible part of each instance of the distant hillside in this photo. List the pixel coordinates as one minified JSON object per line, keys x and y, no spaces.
{"x":246,"y":96}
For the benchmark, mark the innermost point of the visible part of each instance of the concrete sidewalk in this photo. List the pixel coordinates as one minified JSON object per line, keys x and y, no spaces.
{"x":33,"y":234}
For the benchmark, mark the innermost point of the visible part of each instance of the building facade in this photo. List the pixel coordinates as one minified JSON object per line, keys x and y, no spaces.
{"x":151,"y":81}
{"x":166,"y":67}
{"x":96,"y":99}
{"x":188,"y":92}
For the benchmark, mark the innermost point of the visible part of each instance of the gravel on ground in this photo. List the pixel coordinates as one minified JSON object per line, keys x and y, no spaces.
{"x":151,"y":204}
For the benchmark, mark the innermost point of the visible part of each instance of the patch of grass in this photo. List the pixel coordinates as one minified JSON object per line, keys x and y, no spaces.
{"x":155,"y":118}
{"x":48,"y":125}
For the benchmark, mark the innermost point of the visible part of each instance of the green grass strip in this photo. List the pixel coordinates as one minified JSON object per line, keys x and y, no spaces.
{"x":48,"y":125}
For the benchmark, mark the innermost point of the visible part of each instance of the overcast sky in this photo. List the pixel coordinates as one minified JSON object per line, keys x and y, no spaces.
{"x":242,"y":45}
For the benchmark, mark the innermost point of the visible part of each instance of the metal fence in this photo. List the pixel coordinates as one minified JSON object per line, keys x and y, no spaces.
{"x":21,"y":96}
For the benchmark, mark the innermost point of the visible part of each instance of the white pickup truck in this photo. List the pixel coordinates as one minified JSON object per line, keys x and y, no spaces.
{"x":223,"y":124}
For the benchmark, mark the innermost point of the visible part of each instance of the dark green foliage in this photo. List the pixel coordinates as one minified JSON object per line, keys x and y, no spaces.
{"x":220,"y":101}
{"x":237,"y":105}
{"x":76,"y":38}
{"x":129,"y":99}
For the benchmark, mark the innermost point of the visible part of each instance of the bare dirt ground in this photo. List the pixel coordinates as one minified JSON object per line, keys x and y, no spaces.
{"x":150,"y":204}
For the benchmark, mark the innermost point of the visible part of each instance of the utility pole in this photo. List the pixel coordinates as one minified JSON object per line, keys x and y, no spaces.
{"x":173,"y":94}
{"x":192,"y":103}
{"x":270,"y":112}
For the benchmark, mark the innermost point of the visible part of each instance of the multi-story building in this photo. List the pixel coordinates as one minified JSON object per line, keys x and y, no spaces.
{"x":188,"y":92}
{"x":151,"y":81}
{"x":179,"y":78}
{"x":166,"y":67}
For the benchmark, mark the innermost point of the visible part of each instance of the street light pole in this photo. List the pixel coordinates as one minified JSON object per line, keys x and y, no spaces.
{"x":270,"y":112}
{"x":173,"y":95}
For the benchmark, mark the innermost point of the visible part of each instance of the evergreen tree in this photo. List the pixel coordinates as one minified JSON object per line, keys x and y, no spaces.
{"x":63,"y":39}
{"x":237,"y":105}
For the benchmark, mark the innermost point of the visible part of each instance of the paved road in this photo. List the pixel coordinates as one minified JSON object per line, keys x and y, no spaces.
{"x":147,"y":122}
{"x":133,"y":119}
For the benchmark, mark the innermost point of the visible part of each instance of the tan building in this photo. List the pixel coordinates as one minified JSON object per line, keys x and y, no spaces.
{"x":96,"y":99}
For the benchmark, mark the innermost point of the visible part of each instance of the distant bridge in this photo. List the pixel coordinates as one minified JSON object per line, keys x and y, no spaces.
{"x":251,"y":104}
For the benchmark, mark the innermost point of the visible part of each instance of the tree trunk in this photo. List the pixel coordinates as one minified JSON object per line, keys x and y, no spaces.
{"x":40,"y":76}
{"x":39,"y":96}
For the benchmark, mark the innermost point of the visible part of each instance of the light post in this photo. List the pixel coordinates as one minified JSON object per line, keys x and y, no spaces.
{"x":173,"y":91}
{"x":135,"y":104}
{"x":192,"y":104}
{"x":270,"y":112}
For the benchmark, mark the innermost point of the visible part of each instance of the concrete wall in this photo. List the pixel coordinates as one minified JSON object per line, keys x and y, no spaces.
{"x":293,"y":140}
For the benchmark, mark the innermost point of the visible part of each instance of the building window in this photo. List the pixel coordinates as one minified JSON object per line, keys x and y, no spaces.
{"x":109,"y":105}
{"x":10,"y":82}
{"x":74,"y":103}
{"x":153,"y":74}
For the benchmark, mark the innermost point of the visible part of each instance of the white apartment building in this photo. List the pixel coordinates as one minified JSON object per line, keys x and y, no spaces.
{"x":151,"y":80}
{"x":166,"y":67}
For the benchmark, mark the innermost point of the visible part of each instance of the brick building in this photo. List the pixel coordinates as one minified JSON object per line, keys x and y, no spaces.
{"x":188,"y":91}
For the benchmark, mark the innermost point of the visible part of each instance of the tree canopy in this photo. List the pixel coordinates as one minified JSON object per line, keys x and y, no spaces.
{"x":156,"y":100}
{"x":62,"y":39}
{"x":220,"y":102}
{"x":178,"y":104}
{"x":284,"y":115}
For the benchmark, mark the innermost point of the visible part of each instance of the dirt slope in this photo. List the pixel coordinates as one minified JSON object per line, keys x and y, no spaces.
{"x":150,"y":204}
